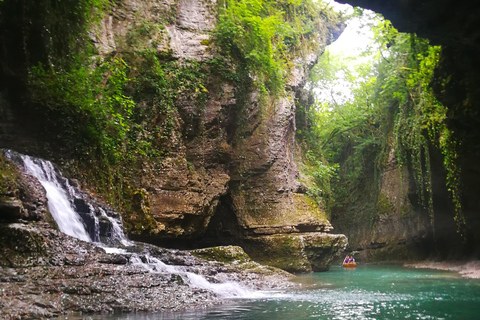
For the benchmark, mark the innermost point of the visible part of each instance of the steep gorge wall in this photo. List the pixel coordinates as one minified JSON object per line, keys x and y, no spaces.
{"x":227,"y":159}
{"x":384,"y":219}
{"x":454,"y":26}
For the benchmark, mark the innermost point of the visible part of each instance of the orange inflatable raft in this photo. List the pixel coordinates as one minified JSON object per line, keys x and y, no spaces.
{"x":349,"y":265}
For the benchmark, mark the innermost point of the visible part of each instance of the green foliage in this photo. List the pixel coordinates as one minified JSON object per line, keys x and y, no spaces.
{"x":264,"y":34}
{"x":344,"y":133}
{"x":115,"y":114}
{"x":421,"y":119}
{"x":392,"y":95}
{"x":89,"y":103}
{"x":322,"y":173}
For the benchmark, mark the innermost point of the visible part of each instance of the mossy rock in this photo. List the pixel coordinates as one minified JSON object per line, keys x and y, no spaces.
{"x":297,"y":253}
{"x":9,"y":177}
{"x":224,"y":254}
{"x":281,"y":251}
{"x":21,"y":246}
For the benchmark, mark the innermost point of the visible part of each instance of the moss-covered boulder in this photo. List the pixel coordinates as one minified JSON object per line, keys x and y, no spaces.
{"x":21,"y":246}
{"x":225,"y":254}
{"x":297,"y":253}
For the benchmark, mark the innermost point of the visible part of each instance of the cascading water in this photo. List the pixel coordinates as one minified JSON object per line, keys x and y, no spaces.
{"x":82,"y":220}
{"x":64,"y":200}
{"x":225,"y":289}
{"x":60,"y":207}
{"x":117,"y":233}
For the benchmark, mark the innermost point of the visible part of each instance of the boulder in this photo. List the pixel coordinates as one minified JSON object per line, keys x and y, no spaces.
{"x":297,"y":253}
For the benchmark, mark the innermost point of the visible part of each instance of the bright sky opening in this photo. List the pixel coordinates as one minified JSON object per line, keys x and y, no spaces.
{"x":352,"y":46}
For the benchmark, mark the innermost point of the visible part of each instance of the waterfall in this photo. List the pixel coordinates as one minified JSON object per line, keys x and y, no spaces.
{"x":59,"y":205}
{"x":65,"y":200}
{"x":76,"y":216}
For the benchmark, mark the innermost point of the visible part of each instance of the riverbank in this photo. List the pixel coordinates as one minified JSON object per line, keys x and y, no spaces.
{"x":467,"y":269}
{"x":45,"y":273}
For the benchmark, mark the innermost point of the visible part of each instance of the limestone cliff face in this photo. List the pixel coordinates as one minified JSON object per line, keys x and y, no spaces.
{"x":396,"y":221}
{"x":229,"y":176}
{"x":181,"y":193}
{"x":454,"y":26}
{"x":394,"y":226}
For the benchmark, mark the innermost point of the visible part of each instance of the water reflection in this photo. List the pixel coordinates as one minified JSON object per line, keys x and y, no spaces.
{"x":367,"y":293}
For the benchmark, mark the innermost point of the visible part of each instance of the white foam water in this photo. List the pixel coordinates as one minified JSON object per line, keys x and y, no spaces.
{"x":231,"y":290}
{"x":60,"y":207}
{"x":117,"y":231}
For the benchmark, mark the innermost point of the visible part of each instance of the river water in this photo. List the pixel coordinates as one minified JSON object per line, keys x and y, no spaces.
{"x":368,"y":292}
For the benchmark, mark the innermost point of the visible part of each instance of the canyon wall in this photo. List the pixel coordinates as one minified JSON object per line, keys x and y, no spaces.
{"x":224,"y":174}
{"x":454,"y":26}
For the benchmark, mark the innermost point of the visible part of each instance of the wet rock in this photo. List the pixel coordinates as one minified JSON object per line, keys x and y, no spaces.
{"x":113,"y":259}
{"x":11,"y":209}
{"x":22,"y":197}
{"x":69,"y":275}
{"x":81,"y":206}
{"x":296,"y":253}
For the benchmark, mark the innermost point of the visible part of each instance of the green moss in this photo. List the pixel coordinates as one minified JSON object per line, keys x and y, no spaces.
{"x":384,"y":206}
{"x":137,"y":213}
{"x":284,"y":251}
{"x":226,"y":254}
{"x":9,"y":176}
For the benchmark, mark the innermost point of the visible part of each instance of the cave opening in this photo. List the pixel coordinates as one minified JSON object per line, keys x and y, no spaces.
{"x":223,"y":228}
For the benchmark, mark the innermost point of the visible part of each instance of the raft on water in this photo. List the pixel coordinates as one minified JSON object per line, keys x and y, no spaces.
{"x":349,"y":265}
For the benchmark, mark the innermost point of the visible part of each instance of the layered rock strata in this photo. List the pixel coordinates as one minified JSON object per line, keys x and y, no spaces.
{"x":45,"y":274}
{"x":248,"y":160}
{"x":231,"y":154}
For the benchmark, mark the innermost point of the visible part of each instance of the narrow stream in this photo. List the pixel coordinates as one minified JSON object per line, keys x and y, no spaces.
{"x":369,"y":292}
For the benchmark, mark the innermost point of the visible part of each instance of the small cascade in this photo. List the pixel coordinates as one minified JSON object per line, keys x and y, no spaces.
{"x":75,"y":212}
{"x":58,"y":194}
{"x":83,"y":217}
{"x":96,"y":227}
{"x":116,"y":232}
{"x":224,"y":289}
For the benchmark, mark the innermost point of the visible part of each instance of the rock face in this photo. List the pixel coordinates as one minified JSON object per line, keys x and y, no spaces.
{"x":21,"y":195}
{"x":399,"y":227}
{"x":243,"y":177}
{"x":392,"y":226}
{"x":454,"y":26}
{"x":230,"y":175}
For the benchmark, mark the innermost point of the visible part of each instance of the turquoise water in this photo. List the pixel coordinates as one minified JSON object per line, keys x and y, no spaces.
{"x":368,"y":292}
